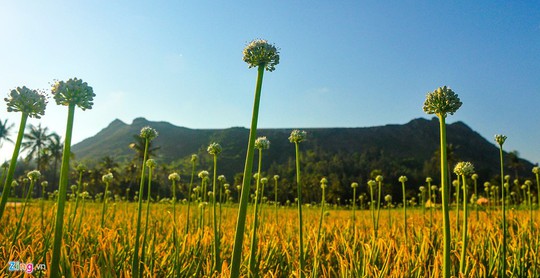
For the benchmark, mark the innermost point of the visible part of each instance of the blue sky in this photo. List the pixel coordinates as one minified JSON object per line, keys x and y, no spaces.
{"x":343,"y":63}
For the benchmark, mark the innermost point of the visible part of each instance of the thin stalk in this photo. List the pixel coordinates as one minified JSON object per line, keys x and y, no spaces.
{"x":15,"y":235}
{"x":74,"y":214}
{"x":503,"y":257}
{"x":404,"y":212}
{"x":276,"y":199}
{"x":135,"y":263}
{"x":447,"y":262}
{"x":463,"y":262}
{"x":253,"y":247}
{"x":476,"y":198}
{"x":13,"y":162}
{"x":62,"y":192}
{"x":104,"y":208}
{"x":217,"y":261}
{"x":246,"y":183}
{"x":457,"y":203}
{"x":193,"y":161}
{"x":300,"y":225}
{"x":319,"y":231}
{"x":148,"y":197}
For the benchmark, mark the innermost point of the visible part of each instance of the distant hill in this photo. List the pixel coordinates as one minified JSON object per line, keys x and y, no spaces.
{"x":412,"y":145}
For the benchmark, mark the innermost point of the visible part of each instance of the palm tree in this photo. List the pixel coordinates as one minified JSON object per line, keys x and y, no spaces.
{"x":138,"y":147}
{"x":36,"y":141}
{"x":54,"y":151}
{"x":4,"y":132}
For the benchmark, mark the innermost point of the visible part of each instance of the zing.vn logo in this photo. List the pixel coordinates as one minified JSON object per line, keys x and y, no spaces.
{"x":26,"y":267}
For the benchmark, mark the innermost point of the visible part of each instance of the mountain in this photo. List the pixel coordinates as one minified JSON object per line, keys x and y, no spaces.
{"x":347,"y":153}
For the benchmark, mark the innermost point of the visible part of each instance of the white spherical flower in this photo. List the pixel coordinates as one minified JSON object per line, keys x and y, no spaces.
{"x":194,"y":157}
{"x":150,"y":163}
{"x":428,"y":179}
{"x":442,"y":101}
{"x":174,"y":177}
{"x":264,"y":180}
{"x":379,"y":178}
{"x":148,"y":133}
{"x":107,"y":178}
{"x":221,"y":178}
{"x":402,"y":179}
{"x":464,"y":168}
{"x":261,"y":53}
{"x":354,"y":185}
{"x":500,"y":139}
{"x":262,"y":143}
{"x":74,"y":91}
{"x":536,"y":170}
{"x":214,"y":148}
{"x":276,"y":177}
{"x":34,"y":175}
{"x":28,"y":101}
{"x":297,"y":136}
{"x":203,"y":174}
{"x":388,"y":198}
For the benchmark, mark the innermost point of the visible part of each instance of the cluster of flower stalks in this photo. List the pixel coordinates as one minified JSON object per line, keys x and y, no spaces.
{"x":203,"y":205}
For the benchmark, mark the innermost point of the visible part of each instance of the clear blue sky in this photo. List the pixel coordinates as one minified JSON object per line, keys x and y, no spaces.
{"x":343,"y":63}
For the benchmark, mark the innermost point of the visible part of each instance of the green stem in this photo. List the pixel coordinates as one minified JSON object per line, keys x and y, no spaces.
{"x":476,"y":199}
{"x":9,"y":178}
{"x":354,"y":206}
{"x":503,"y":257}
{"x":148,"y":197}
{"x":457,"y":204}
{"x":135,"y":263}
{"x":217,"y":261}
{"x":253,"y":253}
{"x":189,"y":194}
{"x":62,"y":192}
{"x":463,"y":262}
{"x":318,"y":242}
{"x":15,"y":235}
{"x":244,"y":198}
{"x":104,"y":205}
{"x":275,"y":199}
{"x":300,"y":225}
{"x":447,"y":262}
{"x":378,"y":209}
{"x":404,"y":212}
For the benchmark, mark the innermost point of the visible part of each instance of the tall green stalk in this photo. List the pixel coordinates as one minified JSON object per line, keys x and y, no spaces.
{"x":260,"y":144}
{"x":30,"y":103}
{"x":402,"y":180}
{"x":462,"y":170}
{"x":62,"y":192}
{"x":151,"y":164}
{"x":324,"y":184}
{"x":276,"y":178}
{"x":500,"y":139}
{"x":6,"y":192}
{"x":371,"y":184}
{"x":193,"y":162}
{"x":71,"y":93}
{"x":33,"y":176}
{"x":107,"y":179}
{"x":260,"y":54}
{"x":215,"y":149}
{"x":379,"y":180}
{"x":296,"y":137}
{"x":148,"y":134}
{"x":354,"y":185}
{"x":441,"y":102}
{"x":474,"y":177}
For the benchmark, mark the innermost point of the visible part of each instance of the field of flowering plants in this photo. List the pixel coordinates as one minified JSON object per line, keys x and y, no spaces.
{"x":209,"y":228}
{"x":343,"y":247}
